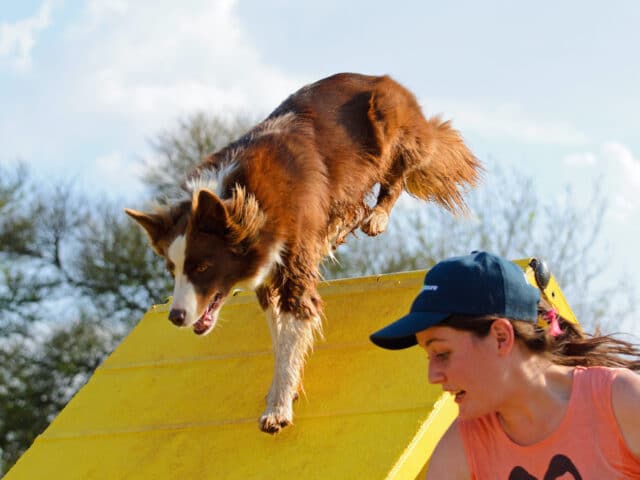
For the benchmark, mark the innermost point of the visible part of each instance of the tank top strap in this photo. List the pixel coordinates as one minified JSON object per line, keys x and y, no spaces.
{"x":593,"y":389}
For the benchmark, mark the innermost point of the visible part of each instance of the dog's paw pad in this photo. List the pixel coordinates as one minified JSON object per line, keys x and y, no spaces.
{"x":375,"y":223}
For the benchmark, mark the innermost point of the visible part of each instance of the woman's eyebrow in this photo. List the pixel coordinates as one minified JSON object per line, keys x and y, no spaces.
{"x":431,"y":340}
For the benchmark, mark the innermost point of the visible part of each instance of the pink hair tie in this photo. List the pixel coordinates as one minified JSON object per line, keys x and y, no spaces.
{"x":551,"y":316}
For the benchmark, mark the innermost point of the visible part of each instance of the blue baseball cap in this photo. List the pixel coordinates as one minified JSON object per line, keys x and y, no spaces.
{"x":477,"y":284}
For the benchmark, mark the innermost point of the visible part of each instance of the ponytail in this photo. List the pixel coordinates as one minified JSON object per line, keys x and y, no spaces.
{"x":567,"y":346}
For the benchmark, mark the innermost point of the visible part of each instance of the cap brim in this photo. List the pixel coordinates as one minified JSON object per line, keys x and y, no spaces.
{"x":402,"y":333}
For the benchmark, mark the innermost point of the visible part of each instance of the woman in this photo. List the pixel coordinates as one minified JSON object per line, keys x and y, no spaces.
{"x":534,"y":402}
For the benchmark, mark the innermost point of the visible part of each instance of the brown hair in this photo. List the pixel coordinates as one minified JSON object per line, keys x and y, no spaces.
{"x":572,"y":347}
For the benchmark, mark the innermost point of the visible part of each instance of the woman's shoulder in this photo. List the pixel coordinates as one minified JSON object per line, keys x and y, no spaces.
{"x":625,"y":398}
{"x":448,"y":459}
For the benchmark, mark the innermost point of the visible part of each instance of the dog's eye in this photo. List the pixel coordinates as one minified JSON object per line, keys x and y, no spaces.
{"x":201,"y":268}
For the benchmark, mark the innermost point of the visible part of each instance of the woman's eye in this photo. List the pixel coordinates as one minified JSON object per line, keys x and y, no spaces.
{"x":441,"y":356}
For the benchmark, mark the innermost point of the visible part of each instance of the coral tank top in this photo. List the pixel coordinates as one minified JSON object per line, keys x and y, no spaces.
{"x":586,"y":445}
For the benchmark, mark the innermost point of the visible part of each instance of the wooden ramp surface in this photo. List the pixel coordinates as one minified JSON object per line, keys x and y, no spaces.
{"x":168,"y":404}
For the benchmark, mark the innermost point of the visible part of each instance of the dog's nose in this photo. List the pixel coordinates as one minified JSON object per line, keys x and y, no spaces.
{"x":177,"y":316}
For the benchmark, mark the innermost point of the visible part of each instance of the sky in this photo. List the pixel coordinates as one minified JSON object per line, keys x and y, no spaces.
{"x":548,"y":87}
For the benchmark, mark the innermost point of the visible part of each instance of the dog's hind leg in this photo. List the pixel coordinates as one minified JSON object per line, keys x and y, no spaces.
{"x":376,"y":222}
{"x":432,"y":164}
{"x":388,"y":106}
{"x":346,"y":217}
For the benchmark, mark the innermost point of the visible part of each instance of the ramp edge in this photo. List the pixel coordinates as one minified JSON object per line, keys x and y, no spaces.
{"x":414,"y":458}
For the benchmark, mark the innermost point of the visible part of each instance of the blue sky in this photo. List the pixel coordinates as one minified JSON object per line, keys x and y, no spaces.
{"x":548,"y":87}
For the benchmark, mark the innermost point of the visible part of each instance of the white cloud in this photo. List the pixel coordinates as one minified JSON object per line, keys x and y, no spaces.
{"x":18,"y":39}
{"x":587,"y":159}
{"x":507,"y":121}
{"x":625,"y":170}
{"x":616,"y":164}
{"x":623,"y":157}
{"x":113,"y":173}
{"x":152,"y":64}
{"x":123,"y":71}
{"x":110,"y":165}
{"x":98,"y":8}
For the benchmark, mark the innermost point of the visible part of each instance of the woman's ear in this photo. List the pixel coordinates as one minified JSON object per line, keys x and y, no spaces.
{"x":503,"y":335}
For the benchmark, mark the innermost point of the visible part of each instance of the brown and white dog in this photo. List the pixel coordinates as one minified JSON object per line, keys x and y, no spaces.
{"x":262,"y":212}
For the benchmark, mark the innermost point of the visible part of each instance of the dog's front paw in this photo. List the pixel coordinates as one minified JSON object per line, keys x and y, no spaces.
{"x":275,"y":419}
{"x":376,"y":222}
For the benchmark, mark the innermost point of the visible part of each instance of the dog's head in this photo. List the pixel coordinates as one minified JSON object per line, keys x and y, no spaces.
{"x":210,"y":246}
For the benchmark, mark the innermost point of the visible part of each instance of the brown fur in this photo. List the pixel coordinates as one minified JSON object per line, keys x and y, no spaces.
{"x":296,"y":186}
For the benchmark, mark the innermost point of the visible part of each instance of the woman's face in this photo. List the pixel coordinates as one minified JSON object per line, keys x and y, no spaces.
{"x":468,"y":367}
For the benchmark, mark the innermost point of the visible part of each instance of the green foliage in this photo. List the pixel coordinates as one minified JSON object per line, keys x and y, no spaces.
{"x":38,"y":377}
{"x":58,"y":245}
{"x":116,"y":268}
{"x":178,"y":151}
{"x":21,"y":236}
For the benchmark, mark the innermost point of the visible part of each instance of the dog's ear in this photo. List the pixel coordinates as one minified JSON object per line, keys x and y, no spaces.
{"x":153,"y":224}
{"x":209,"y":213}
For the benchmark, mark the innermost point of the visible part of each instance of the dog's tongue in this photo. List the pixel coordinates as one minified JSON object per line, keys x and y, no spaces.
{"x":203,"y":324}
{"x":208,"y":319}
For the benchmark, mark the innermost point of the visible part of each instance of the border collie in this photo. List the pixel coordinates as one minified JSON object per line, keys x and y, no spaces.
{"x":263,"y":212}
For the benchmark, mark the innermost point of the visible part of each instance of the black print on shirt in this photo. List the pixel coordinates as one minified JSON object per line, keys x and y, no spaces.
{"x":558,"y":466}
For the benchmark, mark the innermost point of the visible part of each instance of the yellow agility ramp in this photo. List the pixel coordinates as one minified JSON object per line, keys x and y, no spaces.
{"x":168,"y":404}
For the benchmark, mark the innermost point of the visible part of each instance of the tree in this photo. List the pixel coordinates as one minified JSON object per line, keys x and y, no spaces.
{"x":81,"y":252}
{"x":17,"y":231}
{"x":178,"y":151}
{"x":115,"y":267}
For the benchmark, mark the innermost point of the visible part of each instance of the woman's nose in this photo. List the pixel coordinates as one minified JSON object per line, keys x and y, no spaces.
{"x":436,"y":375}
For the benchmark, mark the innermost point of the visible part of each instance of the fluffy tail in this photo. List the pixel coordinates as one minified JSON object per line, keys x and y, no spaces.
{"x":446,"y":168}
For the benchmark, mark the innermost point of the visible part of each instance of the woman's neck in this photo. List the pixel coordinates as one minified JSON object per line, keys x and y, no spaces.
{"x":537,"y":399}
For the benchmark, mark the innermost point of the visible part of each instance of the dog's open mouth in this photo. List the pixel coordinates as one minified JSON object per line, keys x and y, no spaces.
{"x":208,"y":319}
